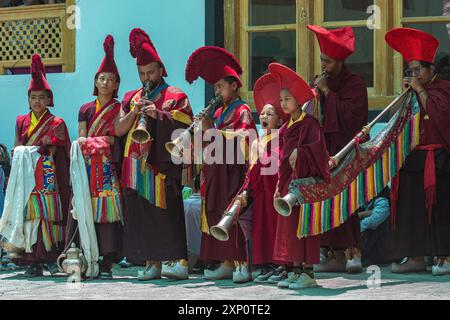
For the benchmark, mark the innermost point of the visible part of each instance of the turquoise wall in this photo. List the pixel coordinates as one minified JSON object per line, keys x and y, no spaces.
{"x":176,"y":27}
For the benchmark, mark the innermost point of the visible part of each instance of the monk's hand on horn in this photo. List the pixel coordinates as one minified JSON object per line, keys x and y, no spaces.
{"x":321,"y":82}
{"x":150,"y":109}
{"x":412,"y":82}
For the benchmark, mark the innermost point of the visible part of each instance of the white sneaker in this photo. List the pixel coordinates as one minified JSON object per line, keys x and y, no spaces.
{"x":354,"y":265}
{"x":292,"y":278}
{"x":303,"y":282}
{"x":441,"y":269}
{"x":224,"y":272}
{"x":175,"y":271}
{"x":241,"y":275}
{"x":150,"y":273}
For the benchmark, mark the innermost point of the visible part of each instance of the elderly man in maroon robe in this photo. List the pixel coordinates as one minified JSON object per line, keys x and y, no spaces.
{"x":344,"y":112}
{"x":421,"y":191}
{"x":154,"y":223}
{"x":222,"y":178}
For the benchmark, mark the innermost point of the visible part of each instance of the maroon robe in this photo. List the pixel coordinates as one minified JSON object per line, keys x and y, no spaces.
{"x":53,"y":133}
{"x":264,"y":215}
{"x":417,"y":231}
{"x":345,"y":112}
{"x":108,"y":234}
{"x":312,"y":161}
{"x":151,"y":233}
{"x":221,"y":184}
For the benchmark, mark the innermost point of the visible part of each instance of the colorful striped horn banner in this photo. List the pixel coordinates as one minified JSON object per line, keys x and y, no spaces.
{"x":360,"y":172}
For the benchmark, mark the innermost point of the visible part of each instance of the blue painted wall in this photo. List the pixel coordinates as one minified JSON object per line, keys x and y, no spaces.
{"x":176,"y":27}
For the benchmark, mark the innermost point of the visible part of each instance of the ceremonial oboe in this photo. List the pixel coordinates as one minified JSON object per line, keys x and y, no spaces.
{"x":140,"y":134}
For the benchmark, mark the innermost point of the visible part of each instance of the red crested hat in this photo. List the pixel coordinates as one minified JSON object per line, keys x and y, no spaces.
{"x":39,"y":78}
{"x":142,"y":48}
{"x":213,"y":64}
{"x":289,"y":80}
{"x":337,"y":44}
{"x":413,"y":44}
{"x":267,"y":91}
{"x":108,"y":63}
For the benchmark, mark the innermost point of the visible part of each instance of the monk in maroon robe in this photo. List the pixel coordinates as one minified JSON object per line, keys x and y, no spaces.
{"x":303,"y":155}
{"x":223,"y":178}
{"x":344,"y":112}
{"x":263,"y":178}
{"x":101,"y":149}
{"x":421,"y":191}
{"x":49,"y":201}
{"x":154,"y":222}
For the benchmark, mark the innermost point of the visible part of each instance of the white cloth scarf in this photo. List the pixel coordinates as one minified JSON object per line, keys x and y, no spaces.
{"x":82,"y":209}
{"x":13,"y":229}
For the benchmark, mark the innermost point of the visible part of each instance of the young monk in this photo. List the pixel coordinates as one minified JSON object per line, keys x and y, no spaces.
{"x":222,"y":180}
{"x":48,"y":206}
{"x":303,"y":154}
{"x":100,"y":147}
{"x":263,"y":177}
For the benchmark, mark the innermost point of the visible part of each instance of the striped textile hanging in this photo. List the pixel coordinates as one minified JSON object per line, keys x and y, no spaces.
{"x":382,"y":162}
{"x":138,"y":175}
{"x":46,"y":207}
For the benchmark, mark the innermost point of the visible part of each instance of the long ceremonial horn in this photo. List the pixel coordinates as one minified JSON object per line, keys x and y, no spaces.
{"x":285,"y":205}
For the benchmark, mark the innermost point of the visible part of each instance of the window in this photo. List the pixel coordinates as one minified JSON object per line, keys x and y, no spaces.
{"x":267,"y":31}
{"x":29,"y":29}
{"x":263,"y":31}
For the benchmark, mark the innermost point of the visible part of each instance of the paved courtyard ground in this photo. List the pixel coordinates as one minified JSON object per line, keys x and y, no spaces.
{"x":332,"y":286}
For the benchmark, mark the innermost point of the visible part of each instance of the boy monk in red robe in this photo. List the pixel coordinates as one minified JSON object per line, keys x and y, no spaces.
{"x":263,"y":177}
{"x":101,"y":147}
{"x":222,"y":179}
{"x":49,"y":202}
{"x":303,"y":155}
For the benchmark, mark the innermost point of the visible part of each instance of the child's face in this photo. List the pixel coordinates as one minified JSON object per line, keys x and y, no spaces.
{"x":288,"y":102}
{"x":106,"y":83}
{"x":38,"y":101}
{"x":226,"y":90}
{"x":269,"y":118}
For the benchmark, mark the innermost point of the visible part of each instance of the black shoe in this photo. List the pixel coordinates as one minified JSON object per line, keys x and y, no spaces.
{"x":52,"y":268}
{"x":125,"y":264}
{"x":105,"y":275}
{"x":34,"y":270}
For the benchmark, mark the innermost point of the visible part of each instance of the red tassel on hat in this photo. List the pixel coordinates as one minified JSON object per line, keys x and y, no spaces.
{"x":108,"y":63}
{"x":38,"y":78}
{"x":142,"y":48}
{"x":213,"y":64}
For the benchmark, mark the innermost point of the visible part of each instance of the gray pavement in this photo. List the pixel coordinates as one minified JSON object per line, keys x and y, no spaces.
{"x":14,"y":286}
